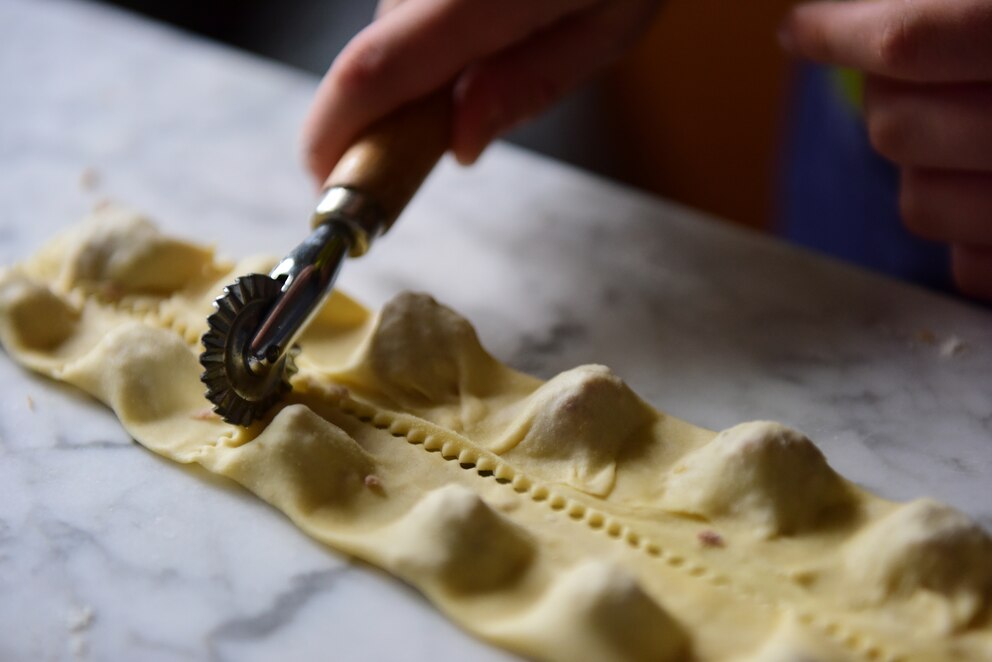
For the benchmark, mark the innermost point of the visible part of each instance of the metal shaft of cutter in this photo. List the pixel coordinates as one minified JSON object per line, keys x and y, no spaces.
{"x":308,"y":275}
{"x":345,"y":222}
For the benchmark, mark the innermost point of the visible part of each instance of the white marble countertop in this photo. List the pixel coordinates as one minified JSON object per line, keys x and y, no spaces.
{"x":110,"y":553}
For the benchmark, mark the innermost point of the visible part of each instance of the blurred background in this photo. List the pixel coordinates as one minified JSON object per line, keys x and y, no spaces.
{"x":694,"y":113}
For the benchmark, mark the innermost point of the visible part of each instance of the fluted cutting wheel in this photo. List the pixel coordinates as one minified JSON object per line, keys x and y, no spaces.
{"x":239,"y":392}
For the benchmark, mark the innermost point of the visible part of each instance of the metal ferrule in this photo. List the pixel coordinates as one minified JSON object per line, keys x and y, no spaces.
{"x":361,"y":214}
{"x":346,"y":222}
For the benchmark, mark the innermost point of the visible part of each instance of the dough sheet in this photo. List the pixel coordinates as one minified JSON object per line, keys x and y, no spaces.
{"x":562,"y":520}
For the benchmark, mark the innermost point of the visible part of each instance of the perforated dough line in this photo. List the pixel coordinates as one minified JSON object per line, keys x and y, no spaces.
{"x":452,"y":447}
{"x":803,"y":563}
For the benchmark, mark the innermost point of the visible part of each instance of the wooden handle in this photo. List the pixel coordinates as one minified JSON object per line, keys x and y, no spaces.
{"x":391,"y":160}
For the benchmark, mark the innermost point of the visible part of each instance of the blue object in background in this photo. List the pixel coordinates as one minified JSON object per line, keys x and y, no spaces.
{"x":839,"y":197}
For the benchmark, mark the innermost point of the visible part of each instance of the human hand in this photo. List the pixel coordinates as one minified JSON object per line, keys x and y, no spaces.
{"x":507,"y":59}
{"x":928,"y":108}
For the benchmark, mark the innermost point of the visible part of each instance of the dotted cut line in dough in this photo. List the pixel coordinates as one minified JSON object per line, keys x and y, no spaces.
{"x":742,"y":545}
{"x":161,"y":313}
{"x":452,"y":448}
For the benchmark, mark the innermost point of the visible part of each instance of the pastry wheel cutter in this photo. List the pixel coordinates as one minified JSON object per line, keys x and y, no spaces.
{"x":249,"y":347}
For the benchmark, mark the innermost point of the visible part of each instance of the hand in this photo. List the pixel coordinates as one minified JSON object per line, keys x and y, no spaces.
{"x":928,"y":107}
{"x":508,"y":59}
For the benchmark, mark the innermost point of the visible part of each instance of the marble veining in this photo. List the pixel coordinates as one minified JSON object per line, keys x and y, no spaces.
{"x":108,"y":552}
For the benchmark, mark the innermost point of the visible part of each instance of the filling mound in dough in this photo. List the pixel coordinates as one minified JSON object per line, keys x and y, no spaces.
{"x":564,"y":520}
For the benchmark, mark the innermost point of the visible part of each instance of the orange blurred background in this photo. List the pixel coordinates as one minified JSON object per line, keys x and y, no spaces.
{"x":697,"y":108}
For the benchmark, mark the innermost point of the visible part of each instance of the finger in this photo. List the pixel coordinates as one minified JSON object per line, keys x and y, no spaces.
{"x":931,"y":125}
{"x":503,"y":91}
{"x":923,"y":40}
{"x":413,"y":49}
{"x":947,"y":206}
{"x":384,"y":6}
{"x":972,"y":268}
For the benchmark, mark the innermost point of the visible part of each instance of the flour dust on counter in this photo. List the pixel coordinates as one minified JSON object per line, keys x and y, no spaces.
{"x":561,"y":520}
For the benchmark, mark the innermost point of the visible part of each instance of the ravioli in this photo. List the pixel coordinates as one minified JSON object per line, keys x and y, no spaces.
{"x":563,"y":520}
